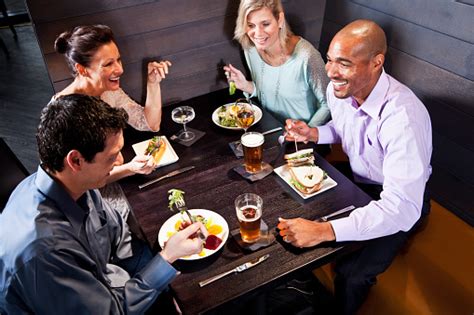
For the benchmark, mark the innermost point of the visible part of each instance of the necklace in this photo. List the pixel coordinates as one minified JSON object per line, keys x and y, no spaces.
{"x":262,"y":76}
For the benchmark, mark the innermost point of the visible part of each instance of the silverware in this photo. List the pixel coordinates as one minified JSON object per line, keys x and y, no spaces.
{"x":171,"y":174}
{"x":240,"y":268}
{"x":338,"y":212}
{"x":181,"y":207}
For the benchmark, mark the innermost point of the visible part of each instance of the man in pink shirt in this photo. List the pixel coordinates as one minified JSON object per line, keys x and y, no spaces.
{"x":385,"y":131}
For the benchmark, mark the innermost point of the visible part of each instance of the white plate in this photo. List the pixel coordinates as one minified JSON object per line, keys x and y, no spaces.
{"x":256,"y":109}
{"x":168,"y":157}
{"x":284,"y":173}
{"x":168,"y":227}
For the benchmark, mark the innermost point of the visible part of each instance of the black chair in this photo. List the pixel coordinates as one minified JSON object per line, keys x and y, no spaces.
{"x":13,"y":172}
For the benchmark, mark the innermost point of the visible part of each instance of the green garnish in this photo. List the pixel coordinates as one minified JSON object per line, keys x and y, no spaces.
{"x":232,"y":88}
{"x":296,"y":184}
{"x":176,"y":198}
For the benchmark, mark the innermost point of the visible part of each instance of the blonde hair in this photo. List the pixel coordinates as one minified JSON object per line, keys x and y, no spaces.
{"x":248,"y":6}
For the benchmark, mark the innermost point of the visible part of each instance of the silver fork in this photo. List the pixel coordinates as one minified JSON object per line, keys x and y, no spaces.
{"x":181,"y":206}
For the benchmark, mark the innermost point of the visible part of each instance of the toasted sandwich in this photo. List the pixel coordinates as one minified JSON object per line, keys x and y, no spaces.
{"x":307,"y":179}
{"x":301,"y":157}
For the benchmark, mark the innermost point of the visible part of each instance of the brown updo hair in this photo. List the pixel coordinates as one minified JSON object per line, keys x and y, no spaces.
{"x":81,"y":43}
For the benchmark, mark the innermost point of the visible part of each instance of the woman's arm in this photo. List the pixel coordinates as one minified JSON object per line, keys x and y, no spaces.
{"x":157,"y":71}
{"x":318,"y":81}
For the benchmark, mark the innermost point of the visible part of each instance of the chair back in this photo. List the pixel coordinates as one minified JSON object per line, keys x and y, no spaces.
{"x":13,"y":172}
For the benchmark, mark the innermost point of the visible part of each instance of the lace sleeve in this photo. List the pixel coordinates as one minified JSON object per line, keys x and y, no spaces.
{"x":136,"y":112}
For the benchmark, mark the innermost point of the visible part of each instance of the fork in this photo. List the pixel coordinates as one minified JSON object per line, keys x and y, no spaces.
{"x":181,"y":206}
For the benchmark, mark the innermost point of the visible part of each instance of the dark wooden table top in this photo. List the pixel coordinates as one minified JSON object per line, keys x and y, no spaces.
{"x":214,"y":185}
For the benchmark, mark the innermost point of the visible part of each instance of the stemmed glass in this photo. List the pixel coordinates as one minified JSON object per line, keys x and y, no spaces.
{"x":245,"y":115}
{"x":183,"y":115}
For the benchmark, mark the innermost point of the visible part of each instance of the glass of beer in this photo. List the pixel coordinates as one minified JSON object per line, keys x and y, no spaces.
{"x":252,"y":145}
{"x":249,"y":213}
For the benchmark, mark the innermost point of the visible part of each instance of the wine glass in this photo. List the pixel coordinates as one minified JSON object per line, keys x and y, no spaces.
{"x":245,"y":115}
{"x":183,"y":115}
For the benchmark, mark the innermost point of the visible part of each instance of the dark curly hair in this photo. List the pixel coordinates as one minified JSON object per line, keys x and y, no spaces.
{"x":76,"y":122}
{"x":81,"y":43}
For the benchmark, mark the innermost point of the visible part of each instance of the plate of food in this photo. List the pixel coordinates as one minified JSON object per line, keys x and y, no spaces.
{"x":225,"y":116}
{"x":303,"y":176}
{"x":159,"y":147}
{"x":215,"y":224}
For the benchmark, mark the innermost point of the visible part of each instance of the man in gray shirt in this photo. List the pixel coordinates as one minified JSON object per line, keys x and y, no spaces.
{"x":63,"y":250}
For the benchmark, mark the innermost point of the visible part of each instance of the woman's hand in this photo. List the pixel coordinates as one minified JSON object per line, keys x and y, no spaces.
{"x":235,"y":75}
{"x":142,"y":164}
{"x":157,"y":71}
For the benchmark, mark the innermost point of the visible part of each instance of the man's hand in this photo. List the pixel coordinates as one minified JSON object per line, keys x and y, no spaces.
{"x":305,"y":233}
{"x":299,"y":131}
{"x":180,"y":245}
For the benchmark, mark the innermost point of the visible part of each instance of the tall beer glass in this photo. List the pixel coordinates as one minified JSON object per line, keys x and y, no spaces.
{"x":252,"y":145}
{"x":249,"y":213}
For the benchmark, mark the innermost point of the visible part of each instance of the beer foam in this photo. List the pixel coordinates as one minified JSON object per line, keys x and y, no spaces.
{"x":252,"y":140}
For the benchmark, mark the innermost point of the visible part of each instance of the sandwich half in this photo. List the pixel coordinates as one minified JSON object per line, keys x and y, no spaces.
{"x":156,"y":148}
{"x":301,"y":157}
{"x":307,"y":179}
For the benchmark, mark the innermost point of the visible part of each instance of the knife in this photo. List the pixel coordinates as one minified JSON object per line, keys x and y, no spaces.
{"x":171,"y":174}
{"x":240,"y":268}
{"x":338,"y":212}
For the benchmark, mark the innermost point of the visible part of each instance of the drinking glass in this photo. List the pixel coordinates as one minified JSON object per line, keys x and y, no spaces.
{"x":252,"y":146}
{"x":183,"y":115}
{"x":245,"y":115}
{"x":248,"y":207}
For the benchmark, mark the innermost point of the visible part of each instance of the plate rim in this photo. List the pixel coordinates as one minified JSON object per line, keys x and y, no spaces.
{"x":225,"y":236}
{"x":279,"y":172}
{"x":215,"y":118}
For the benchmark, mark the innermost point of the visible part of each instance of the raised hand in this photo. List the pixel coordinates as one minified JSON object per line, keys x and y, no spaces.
{"x":157,"y":71}
{"x":297,"y":130}
{"x":235,"y":75}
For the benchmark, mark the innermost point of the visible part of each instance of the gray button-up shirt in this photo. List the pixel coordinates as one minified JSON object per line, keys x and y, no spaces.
{"x":58,"y":256}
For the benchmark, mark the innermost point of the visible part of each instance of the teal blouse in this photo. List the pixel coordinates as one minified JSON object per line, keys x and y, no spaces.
{"x":296,"y":89}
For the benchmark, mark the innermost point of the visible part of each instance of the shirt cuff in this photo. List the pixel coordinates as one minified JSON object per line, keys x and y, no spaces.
{"x":325,"y":135}
{"x":343,"y":229}
{"x":158,"y":273}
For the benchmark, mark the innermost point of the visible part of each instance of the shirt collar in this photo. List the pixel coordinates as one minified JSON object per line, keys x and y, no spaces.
{"x":64,"y":202}
{"x":376,"y":99}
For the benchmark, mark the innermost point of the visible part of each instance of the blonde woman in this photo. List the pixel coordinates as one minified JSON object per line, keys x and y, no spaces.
{"x":288,"y":74}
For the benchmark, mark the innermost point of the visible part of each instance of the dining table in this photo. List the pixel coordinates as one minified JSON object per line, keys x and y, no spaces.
{"x":214,"y":185}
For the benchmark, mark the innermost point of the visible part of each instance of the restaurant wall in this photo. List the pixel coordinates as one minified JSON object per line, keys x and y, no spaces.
{"x":195,"y":35}
{"x":431,"y":50}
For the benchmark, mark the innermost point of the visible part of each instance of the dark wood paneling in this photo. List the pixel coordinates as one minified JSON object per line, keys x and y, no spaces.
{"x":57,"y":10}
{"x":435,"y":47}
{"x":447,"y":17}
{"x":144,"y":18}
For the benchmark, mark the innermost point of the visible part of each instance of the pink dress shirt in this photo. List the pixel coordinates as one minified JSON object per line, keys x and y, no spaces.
{"x":388,"y":142}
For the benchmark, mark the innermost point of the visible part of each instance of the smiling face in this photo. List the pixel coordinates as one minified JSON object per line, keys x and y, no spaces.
{"x":96,"y":172}
{"x":352,"y":68}
{"x":105,"y":69}
{"x":263,"y":28}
